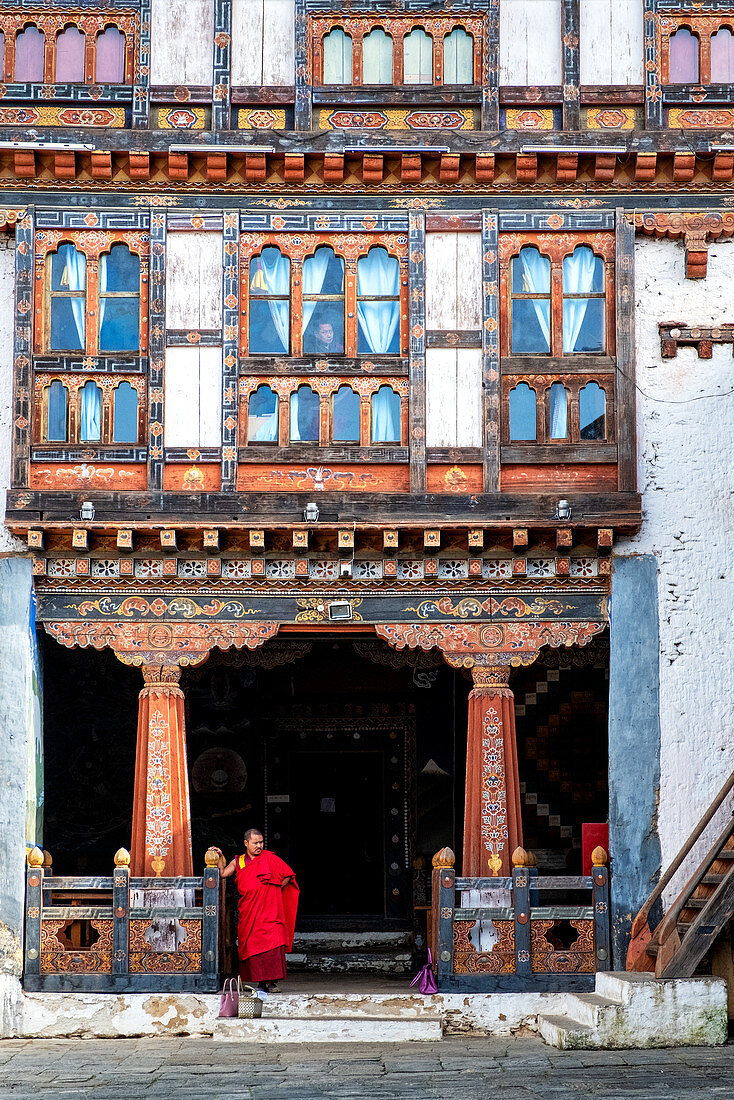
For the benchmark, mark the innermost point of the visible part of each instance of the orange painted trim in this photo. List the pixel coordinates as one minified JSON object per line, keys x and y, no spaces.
{"x":454,"y":479}
{"x":581,"y":477}
{"x":196,"y":478}
{"x":88,"y":475}
{"x":288,"y":478}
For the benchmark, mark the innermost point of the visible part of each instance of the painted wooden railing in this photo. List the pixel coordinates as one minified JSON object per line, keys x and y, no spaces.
{"x":525,"y":953}
{"x":117,"y":949}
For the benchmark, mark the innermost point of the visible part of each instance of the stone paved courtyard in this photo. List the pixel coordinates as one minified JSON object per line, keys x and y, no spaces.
{"x":461,"y":1068}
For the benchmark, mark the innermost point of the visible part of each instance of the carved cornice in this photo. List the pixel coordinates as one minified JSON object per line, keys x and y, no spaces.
{"x":9,"y":217}
{"x":489,"y":645}
{"x":695,"y":229}
{"x":161,"y":644}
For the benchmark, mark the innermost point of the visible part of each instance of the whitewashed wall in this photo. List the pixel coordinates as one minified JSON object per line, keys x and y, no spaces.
{"x":263,"y":43}
{"x":182,"y":42}
{"x":686,"y":476}
{"x":7,"y":328}
{"x":612,"y":45}
{"x":530,"y":42}
{"x":454,"y":376}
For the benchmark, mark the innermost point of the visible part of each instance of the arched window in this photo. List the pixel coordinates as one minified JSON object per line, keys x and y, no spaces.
{"x":67,"y":306}
{"x":683,"y":57}
{"x":385,"y":416}
{"x":722,"y":57}
{"x":558,"y":411}
{"x":458,"y":57}
{"x":29,"y":50}
{"x":418,"y":57}
{"x":91,"y":413}
{"x":377,"y":57}
{"x":378,"y":303}
{"x":70,"y":46}
{"x":337,"y":57}
{"x":304,"y":416}
{"x":119,"y":300}
{"x":125,"y":418}
{"x":262,"y":416}
{"x":110,"y":57}
{"x":523,"y":413}
{"x":592,"y":412}
{"x":583,"y":302}
{"x":270,"y":281}
{"x":345,"y":422}
{"x":323,"y":303}
{"x":531,"y":299}
{"x":57,"y":413}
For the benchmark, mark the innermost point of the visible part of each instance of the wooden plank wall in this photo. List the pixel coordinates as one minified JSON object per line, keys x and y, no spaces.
{"x":612,"y":46}
{"x":182,"y":42}
{"x":194,"y":281}
{"x":263,"y":43}
{"x":454,"y":374}
{"x":530,"y":42}
{"x":193,"y":397}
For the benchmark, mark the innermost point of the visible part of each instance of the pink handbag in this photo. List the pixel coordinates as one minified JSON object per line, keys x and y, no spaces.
{"x":426,"y":978}
{"x":229,"y":1001}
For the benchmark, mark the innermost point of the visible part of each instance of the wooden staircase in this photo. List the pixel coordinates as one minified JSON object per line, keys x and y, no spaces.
{"x":702,"y":910}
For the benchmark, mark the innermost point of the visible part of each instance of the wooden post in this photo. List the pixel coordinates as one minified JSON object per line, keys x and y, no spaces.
{"x":625,"y":413}
{"x":491,"y":383}
{"x":521,"y":902}
{"x":161,"y":840}
{"x":121,"y":913}
{"x":222,"y":70}
{"x":23,"y":349}
{"x":141,"y":91}
{"x":230,"y":348}
{"x":445,"y":878}
{"x":210,"y":918}
{"x":417,"y":350}
{"x":33,"y":911}
{"x":492,"y":817}
{"x":570,"y":35}
{"x":653,"y":90}
{"x":156,"y":349}
{"x":600,"y":895}
{"x":303,"y":108}
{"x":491,"y":65}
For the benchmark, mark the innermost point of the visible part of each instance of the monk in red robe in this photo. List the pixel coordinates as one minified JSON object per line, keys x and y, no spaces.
{"x":268,"y":900}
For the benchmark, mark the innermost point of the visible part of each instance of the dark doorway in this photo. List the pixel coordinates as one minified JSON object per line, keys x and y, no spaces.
{"x":339,"y":846}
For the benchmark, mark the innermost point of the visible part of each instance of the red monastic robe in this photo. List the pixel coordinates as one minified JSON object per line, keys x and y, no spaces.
{"x":267,"y":917}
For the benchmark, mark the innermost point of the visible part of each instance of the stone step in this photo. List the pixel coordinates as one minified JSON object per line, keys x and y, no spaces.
{"x":586,"y":1008}
{"x":402,"y":1004}
{"x":566,"y":1034}
{"x":330,"y":1029}
{"x":372,"y":961}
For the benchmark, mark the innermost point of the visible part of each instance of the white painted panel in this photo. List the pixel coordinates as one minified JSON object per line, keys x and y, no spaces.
{"x":530,"y":42}
{"x":468,"y":397}
{"x":194,"y":281}
{"x":595,"y":45}
{"x":441,"y":280}
{"x":279,"y":43}
{"x":628,"y":42}
{"x":468,"y":281}
{"x":247,"y":42}
{"x":440,"y":397}
{"x":210,"y":397}
{"x":181,"y":398}
{"x":182,"y":41}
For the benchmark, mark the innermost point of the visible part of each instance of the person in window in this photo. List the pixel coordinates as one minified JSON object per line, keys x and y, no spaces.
{"x":323,"y":340}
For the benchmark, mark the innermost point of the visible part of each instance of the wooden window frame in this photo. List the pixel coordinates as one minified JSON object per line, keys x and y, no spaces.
{"x":52,"y":24}
{"x":541,"y":384}
{"x":702,"y":27}
{"x":556,"y":247}
{"x":397,"y":27}
{"x":325,"y":388}
{"x":74,"y":384}
{"x":298,"y":247}
{"x":93,"y":244}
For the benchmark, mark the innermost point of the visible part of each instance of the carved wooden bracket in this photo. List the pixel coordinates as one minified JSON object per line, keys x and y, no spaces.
{"x":696,"y":230}
{"x":161,"y":644}
{"x":9,"y":217}
{"x":676,"y":334}
{"x":467,"y":645}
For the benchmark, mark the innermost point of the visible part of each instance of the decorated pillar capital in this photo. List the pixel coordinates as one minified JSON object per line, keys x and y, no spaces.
{"x":489,"y":645}
{"x":163,"y":678}
{"x":492,"y":680}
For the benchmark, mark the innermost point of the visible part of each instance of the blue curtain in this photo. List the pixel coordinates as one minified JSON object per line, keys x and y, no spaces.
{"x":592,"y":411}
{"x":125,"y":428}
{"x":558,"y":402}
{"x":385,"y":416}
{"x":582,"y":274}
{"x":523,"y":424}
{"x":304,"y":416}
{"x":91,"y":426}
{"x":263,"y":412}
{"x":56,"y":413}
{"x":276,"y":274}
{"x":378,"y":275}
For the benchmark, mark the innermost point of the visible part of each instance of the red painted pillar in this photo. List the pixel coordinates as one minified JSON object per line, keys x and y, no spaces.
{"x":492,"y":816}
{"x":161,"y":840}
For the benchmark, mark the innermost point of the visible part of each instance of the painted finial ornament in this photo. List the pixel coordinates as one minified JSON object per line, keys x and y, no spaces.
{"x":211,"y":859}
{"x":599,"y":857}
{"x":444,"y":858}
{"x":519,"y":858}
{"x":122,"y":858}
{"x":35,"y":857}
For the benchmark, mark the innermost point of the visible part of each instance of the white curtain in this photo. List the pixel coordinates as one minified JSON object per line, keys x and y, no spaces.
{"x":267,"y":431}
{"x":74,"y":276}
{"x":314,"y":273}
{"x":91,"y":412}
{"x":385,"y":416}
{"x":578,"y":278}
{"x":276,"y":271}
{"x":558,"y":411}
{"x":536,"y":280}
{"x":378,"y":275}
{"x":306,"y":394}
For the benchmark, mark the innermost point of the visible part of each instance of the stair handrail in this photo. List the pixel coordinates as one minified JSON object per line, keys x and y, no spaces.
{"x":641,"y":919}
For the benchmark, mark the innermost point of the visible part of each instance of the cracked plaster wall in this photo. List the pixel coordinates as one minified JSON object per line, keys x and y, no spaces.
{"x":685,"y":456}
